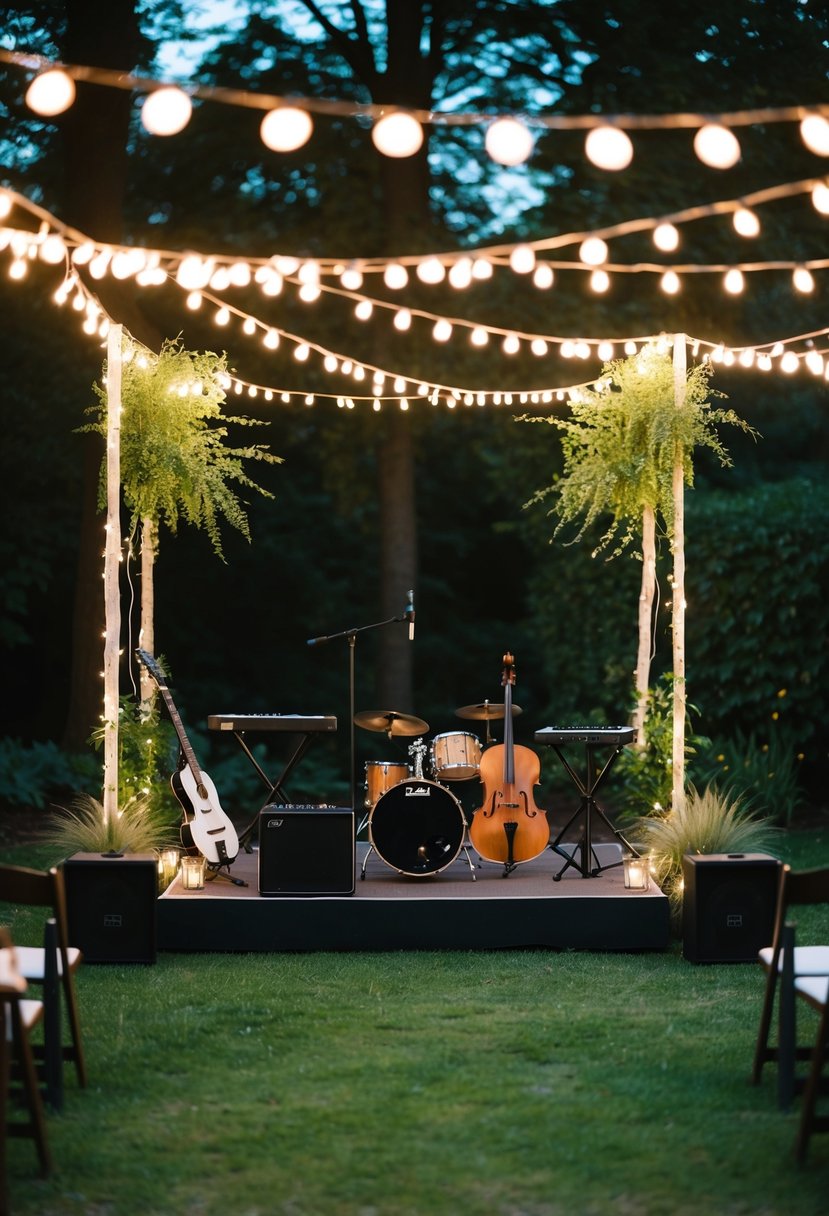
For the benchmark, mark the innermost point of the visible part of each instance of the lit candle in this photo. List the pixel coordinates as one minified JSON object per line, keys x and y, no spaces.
{"x":192,"y":873}
{"x":636,"y":873}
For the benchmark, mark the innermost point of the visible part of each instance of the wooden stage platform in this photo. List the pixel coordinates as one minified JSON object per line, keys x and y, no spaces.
{"x":447,"y":910}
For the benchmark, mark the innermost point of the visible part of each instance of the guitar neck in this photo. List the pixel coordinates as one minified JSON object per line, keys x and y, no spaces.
{"x":189,"y":754}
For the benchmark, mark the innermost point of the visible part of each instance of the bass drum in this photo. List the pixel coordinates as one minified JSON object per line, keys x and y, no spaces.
{"x":417,"y":828}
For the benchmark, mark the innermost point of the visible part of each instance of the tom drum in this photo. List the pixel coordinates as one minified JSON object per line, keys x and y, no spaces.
{"x":455,"y":756}
{"x":382,"y":775}
{"x":417,"y":827}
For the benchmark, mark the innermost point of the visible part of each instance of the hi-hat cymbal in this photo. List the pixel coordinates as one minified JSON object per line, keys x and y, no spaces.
{"x":390,"y":721}
{"x":486,"y":711}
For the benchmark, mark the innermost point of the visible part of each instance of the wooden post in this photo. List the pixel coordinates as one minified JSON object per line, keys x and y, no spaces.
{"x":149,"y":548}
{"x":678,"y":590}
{"x":112,"y":559}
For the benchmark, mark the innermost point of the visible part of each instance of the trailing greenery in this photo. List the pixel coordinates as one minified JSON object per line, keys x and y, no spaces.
{"x":174,"y":460}
{"x":147,"y":755}
{"x":709,"y":822}
{"x":621,"y":444}
{"x":82,"y":827}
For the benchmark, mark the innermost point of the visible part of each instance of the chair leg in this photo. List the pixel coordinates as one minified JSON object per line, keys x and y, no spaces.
{"x":808,"y":1117}
{"x":762,"y":1051}
{"x":787,"y":1023}
{"x":36,"y":1127}
{"x":76,"y":1053}
{"x":4,"y":1098}
{"x":52,"y":1031}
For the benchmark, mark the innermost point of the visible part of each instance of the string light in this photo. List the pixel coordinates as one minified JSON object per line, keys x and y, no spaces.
{"x":51,"y":93}
{"x":609,"y":148}
{"x":717,"y":146}
{"x":397,"y":135}
{"x":166,"y":111}
{"x":285,"y":129}
{"x":508,"y":141}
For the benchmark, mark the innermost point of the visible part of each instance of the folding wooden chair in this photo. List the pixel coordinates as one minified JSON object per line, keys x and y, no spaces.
{"x":815,"y":991}
{"x":18,"y":1015}
{"x":796,"y":888}
{"x":39,"y":888}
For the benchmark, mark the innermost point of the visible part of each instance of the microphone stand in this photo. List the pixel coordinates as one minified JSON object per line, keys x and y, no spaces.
{"x":351,"y":636}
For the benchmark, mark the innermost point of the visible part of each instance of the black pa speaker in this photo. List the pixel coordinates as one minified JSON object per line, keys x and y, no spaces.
{"x":728,"y":906}
{"x":306,"y":850}
{"x":111,"y":906}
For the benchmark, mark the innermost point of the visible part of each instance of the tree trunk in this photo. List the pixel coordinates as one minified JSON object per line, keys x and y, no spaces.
{"x":646,"y":598}
{"x":398,"y":558}
{"x":94,"y":134}
{"x":112,"y":573}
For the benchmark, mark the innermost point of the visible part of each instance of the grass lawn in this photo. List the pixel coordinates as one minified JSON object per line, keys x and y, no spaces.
{"x":515,"y":1082}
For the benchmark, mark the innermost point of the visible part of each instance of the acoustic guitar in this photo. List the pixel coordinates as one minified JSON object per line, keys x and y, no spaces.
{"x":206,"y":826}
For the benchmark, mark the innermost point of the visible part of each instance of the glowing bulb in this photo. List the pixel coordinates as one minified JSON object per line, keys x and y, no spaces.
{"x":302,"y":352}
{"x":789,"y":363}
{"x":403,"y":320}
{"x":309,"y":292}
{"x":820,"y":198}
{"x":522,"y":259}
{"x":608,"y":148}
{"x":18,"y":269}
{"x":593,"y":251}
{"x":166,"y":111}
{"x":431,"y":271}
{"x":351,"y":278}
{"x":511,"y":344}
{"x":538,"y":347}
{"x":363,"y":310}
{"x":734,"y":282}
{"x":285,"y":129}
{"x":6,"y":204}
{"x":666,"y":237}
{"x":814,"y":131}
{"x":508,"y":141}
{"x":543,"y":277}
{"x":460,"y":274}
{"x":397,"y":135}
{"x":51,"y":93}
{"x":222,"y":317}
{"x":605,"y":351}
{"x":193,"y":273}
{"x":53,"y":249}
{"x":395,"y":276}
{"x":442,"y":331}
{"x":479,"y":336}
{"x":669,"y":282}
{"x":599,"y":281}
{"x":271,"y":340}
{"x":249,"y":327}
{"x":716,"y":146}
{"x":746,"y":222}
{"x":802,"y":280}
{"x":481,"y":269}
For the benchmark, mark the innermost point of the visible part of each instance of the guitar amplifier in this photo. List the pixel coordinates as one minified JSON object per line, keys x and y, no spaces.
{"x":306,"y":850}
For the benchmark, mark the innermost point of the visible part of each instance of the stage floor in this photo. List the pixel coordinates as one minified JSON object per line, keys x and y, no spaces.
{"x":449,"y":910}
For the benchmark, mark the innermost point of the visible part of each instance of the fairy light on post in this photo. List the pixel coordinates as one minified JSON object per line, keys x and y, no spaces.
{"x":678,"y":591}
{"x":112,"y":557}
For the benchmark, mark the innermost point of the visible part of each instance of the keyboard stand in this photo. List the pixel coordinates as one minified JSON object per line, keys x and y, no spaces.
{"x":588,"y":865}
{"x":301,"y":730}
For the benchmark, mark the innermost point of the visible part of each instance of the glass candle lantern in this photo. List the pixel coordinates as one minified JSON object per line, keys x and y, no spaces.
{"x":636,"y":872}
{"x":168,"y":865}
{"x":192,"y":873}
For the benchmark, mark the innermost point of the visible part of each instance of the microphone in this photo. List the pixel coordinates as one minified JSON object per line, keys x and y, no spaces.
{"x":410,"y":614}
{"x":315,"y":641}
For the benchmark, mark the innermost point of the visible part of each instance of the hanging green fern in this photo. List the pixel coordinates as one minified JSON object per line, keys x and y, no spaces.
{"x":175,"y":463}
{"x":621,"y":445}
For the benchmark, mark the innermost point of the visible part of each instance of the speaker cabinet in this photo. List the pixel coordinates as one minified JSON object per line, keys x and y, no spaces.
{"x":111,"y":906}
{"x":306,"y":850}
{"x":728,"y":906}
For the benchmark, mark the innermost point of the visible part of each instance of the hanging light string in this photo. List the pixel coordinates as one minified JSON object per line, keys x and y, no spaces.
{"x":397,"y":131}
{"x":50,"y":245}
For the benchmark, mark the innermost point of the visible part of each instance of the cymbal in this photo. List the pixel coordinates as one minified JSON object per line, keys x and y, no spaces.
{"x":390,"y":721}
{"x":486,"y":711}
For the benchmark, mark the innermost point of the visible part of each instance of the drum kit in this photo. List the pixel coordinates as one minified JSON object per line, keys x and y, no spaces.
{"x":416,"y":824}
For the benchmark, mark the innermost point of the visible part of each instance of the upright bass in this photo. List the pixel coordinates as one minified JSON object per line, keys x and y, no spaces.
{"x":508,"y":827}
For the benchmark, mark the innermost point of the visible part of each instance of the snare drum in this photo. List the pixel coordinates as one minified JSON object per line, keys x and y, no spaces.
{"x":417,"y":828}
{"x":382,"y":775}
{"x":455,"y":756}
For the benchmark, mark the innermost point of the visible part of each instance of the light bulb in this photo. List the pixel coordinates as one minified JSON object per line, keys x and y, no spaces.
{"x":511,"y":344}
{"x":746,"y":222}
{"x":285,"y":129}
{"x":803,"y":280}
{"x":593,"y":251}
{"x":397,"y":135}
{"x":522,"y":259}
{"x":431,"y":271}
{"x":820,"y":198}
{"x":442,"y":331}
{"x":599,"y":281}
{"x":403,"y":320}
{"x":789,"y":363}
{"x":670,"y":282}
{"x":716,"y":146}
{"x":460,"y":274}
{"x":51,"y":93}
{"x":508,"y":141}
{"x":543,"y":277}
{"x":609,"y":148}
{"x":734,"y":282}
{"x":166,"y":111}
{"x":479,"y":336}
{"x":666,"y":237}
{"x":814,"y":131}
{"x":395,"y":276}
